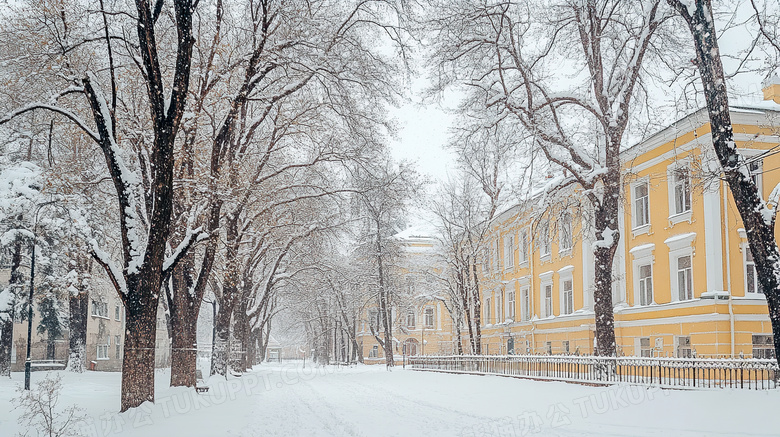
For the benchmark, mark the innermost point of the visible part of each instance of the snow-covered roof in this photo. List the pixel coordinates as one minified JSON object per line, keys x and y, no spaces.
{"x":416,"y":232}
{"x":273,"y":343}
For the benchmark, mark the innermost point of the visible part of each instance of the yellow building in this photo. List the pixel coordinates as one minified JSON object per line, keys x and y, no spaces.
{"x":420,"y":321}
{"x":684,"y":282}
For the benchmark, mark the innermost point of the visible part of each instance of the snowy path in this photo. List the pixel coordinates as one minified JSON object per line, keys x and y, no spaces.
{"x":286,"y":400}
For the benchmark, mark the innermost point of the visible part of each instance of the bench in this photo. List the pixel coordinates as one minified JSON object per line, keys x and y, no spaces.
{"x":45,"y":365}
{"x":200,"y":385}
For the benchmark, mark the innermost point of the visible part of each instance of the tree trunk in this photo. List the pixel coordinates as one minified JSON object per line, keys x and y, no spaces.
{"x":241,"y":332}
{"x":77,"y":341}
{"x":477,"y":311}
{"x":220,"y":353}
{"x":184,"y":311}
{"x":604,"y":254}
{"x":140,"y":336}
{"x":6,"y":345}
{"x":466,"y":298}
{"x":383,"y":304}
{"x":7,"y":324}
{"x":760,"y":231}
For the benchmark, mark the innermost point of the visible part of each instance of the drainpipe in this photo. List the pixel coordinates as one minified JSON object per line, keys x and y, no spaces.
{"x":728,"y":266}
{"x":531,"y":299}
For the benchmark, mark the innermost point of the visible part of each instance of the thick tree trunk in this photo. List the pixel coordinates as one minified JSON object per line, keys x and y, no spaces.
{"x":241,"y":332}
{"x":251,"y":349}
{"x":220,"y":355}
{"x":760,"y":232}
{"x":184,"y":311}
{"x":604,"y":251}
{"x":140,"y":336}
{"x":220,"y":350}
{"x":7,"y":324}
{"x":77,"y":341}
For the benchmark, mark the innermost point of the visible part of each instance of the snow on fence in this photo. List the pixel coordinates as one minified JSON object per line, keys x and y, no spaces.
{"x":664,"y":372}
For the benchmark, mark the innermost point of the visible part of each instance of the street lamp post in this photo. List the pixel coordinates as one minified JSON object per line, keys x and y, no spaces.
{"x":28,"y":363}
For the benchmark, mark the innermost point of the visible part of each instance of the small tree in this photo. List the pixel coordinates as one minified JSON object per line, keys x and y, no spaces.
{"x":50,"y":323}
{"x":40,"y":411}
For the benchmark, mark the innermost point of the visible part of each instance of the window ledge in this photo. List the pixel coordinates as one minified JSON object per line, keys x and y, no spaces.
{"x":755,"y":296}
{"x":565,"y":252}
{"x":681,"y":217}
{"x":640,"y":230}
{"x":546,"y":257}
{"x":101,"y":317}
{"x":102,"y":359}
{"x":523,"y":264}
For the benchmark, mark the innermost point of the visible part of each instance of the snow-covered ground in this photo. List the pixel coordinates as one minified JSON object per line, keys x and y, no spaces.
{"x":287,"y":400}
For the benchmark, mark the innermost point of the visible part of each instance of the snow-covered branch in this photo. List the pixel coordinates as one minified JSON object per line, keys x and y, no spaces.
{"x":193,"y":236}
{"x":112,"y":270}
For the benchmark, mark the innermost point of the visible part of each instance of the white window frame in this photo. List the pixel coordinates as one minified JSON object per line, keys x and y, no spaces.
{"x":498,"y":298}
{"x":117,"y":313}
{"x":754,"y":163}
{"x":642,"y":350}
{"x":764,"y":348}
{"x":102,"y":349}
{"x":374,"y":352}
{"x":374,"y":320}
{"x":547,"y":308}
{"x":678,"y":347}
{"x":687,"y":278}
{"x":545,"y":245}
{"x":118,"y":347}
{"x":676,"y":216}
{"x":429,"y":312}
{"x":525,"y":300}
{"x":523,"y":247}
{"x":411,"y":314}
{"x":486,"y":312}
{"x":567,"y":295}
{"x":643,"y":256}
{"x":509,"y":251}
{"x":680,"y":246}
{"x":644,"y":226}
{"x":510,"y":305}
{"x":99,"y":309}
{"x":565,"y":233}
{"x":748,"y":264}
{"x":646,"y":297}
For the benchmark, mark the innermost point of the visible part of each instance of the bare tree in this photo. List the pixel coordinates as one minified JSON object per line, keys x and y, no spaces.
{"x":506,"y":54}
{"x":145,"y":195}
{"x":385,"y":190}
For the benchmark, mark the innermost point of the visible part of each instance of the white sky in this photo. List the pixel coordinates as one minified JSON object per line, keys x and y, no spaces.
{"x":423,"y":130}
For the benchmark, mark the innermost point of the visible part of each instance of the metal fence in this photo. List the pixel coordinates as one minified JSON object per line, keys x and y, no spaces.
{"x":664,"y":372}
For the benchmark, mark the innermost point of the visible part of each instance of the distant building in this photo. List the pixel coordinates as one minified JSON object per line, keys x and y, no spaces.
{"x":273,"y":352}
{"x":105,"y":332}
{"x":420,"y":321}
